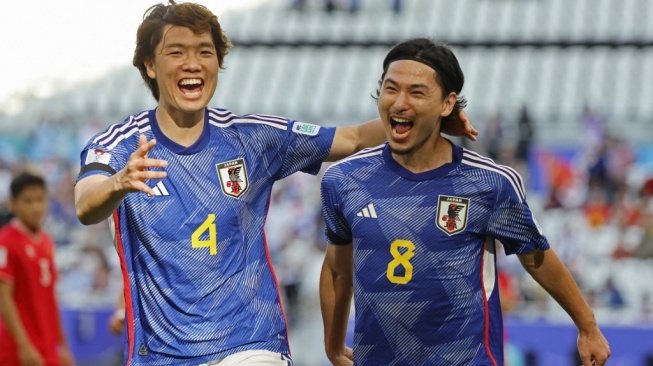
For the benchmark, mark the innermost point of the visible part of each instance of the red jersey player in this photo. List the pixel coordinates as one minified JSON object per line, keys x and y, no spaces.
{"x":30,"y":331}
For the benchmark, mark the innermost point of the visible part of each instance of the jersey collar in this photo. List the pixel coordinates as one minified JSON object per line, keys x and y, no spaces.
{"x":431,"y":174}
{"x":162,"y":139}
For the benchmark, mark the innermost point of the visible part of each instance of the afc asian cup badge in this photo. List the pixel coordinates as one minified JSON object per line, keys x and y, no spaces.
{"x":233,"y":177}
{"x":452,"y":214}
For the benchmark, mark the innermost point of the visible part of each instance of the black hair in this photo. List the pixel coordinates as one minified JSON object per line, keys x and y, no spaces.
{"x":438,"y":56}
{"x":24,"y":180}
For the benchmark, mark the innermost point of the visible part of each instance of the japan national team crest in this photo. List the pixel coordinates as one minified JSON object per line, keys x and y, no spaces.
{"x":233,"y":177}
{"x":452,"y":214}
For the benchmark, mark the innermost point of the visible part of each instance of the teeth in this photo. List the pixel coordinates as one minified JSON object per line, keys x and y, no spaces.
{"x":401,"y":120}
{"x":191,"y":82}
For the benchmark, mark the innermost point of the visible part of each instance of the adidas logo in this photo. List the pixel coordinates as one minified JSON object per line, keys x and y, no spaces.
{"x":142,"y":351}
{"x":160,"y":190}
{"x":368,"y":211}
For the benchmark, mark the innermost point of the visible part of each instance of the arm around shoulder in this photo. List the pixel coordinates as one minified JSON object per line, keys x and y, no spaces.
{"x":351,"y":139}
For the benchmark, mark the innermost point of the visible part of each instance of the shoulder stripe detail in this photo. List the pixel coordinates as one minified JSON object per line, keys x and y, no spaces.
{"x":371,"y":151}
{"x":493,"y":169}
{"x":126,"y":134}
{"x":119,"y":132}
{"x":226,"y":120}
{"x":516,"y":178}
{"x":113,"y":128}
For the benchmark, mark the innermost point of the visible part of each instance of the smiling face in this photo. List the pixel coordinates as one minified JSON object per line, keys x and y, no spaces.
{"x":411,"y":106}
{"x":185,"y":67}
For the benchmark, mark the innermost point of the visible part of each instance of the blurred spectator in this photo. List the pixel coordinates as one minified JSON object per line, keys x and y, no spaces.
{"x":354,"y":6}
{"x":593,"y":127}
{"x":526,"y":133}
{"x":492,"y":136}
{"x":597,"y":209}
{"x":612,"y":296}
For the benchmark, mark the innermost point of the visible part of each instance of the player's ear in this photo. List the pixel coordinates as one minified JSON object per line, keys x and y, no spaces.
{"x":149,"y":66}
{"x":449,"y":103}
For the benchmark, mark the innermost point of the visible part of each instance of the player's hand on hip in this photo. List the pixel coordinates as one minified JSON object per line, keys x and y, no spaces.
{"x":139,"y":168}
{"x":593,"y":348}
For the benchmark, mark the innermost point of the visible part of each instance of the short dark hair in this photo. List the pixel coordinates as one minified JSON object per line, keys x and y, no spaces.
{"x":437,"y":55}
{"x":194,"y":16}
{"x":24,"y":180}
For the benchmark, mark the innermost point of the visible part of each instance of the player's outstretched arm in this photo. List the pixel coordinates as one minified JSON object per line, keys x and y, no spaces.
{"x":336,"y":291}
{"x":96,"y":196}
{"x":351,"y":139}
{"x":547,"y":269}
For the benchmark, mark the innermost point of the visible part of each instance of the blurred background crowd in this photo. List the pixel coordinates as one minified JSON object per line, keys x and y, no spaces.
{"x":560,"y":91}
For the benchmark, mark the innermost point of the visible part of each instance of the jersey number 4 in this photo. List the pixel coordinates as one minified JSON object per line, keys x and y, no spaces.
{"x":208,"y":227}
{"x":401,"y":258}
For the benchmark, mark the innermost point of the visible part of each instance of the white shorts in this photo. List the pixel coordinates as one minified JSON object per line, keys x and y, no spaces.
{"x":253,"y":358}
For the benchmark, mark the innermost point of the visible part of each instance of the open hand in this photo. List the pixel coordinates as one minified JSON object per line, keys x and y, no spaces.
{"x":138,"y":169}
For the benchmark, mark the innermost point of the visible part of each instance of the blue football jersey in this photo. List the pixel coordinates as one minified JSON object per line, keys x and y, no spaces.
{"x":200,"y":285}
{"x":425,"y":284}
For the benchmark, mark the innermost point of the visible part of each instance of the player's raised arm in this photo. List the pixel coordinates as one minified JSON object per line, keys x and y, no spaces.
{"x":336,"y":291}
{"x":351,"y":139}
{"x":97,"y":196}
{"x":547,"y":269}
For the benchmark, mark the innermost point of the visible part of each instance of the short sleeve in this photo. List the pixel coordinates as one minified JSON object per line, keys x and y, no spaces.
{"x":513,"y":223}
{"x":304,"y":148}
{"x":338,"y":231}
{"x":108,"y":151}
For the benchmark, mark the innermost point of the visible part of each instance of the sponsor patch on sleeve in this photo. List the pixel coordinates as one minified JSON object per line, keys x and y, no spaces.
{"x":97,"y":156}
{"x":306,"y":128}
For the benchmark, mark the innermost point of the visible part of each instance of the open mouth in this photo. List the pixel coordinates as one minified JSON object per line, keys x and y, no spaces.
{"x":191,"y":87}
{"x":401,"y":126}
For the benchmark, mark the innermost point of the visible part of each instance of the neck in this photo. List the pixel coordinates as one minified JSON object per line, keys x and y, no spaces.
{"x":182,"y":128}
{"x":430,"y":156}
{"x":33,"y":232}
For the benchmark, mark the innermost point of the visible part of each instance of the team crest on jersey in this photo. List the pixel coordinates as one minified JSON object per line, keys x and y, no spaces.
{"x":233,"y":177}
{"x":452,"y":214}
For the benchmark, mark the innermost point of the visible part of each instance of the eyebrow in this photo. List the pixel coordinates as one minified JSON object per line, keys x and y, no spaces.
{"x":412,"y":86}
{"x":181,"y":45}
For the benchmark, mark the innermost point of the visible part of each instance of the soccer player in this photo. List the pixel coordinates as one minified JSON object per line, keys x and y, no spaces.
{"x":411,"y":226}
{"x":187,"y":189}
{"x":31,"y":333}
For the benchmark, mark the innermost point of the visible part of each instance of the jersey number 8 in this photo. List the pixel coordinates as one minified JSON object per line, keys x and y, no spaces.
{"x":401,"y":259}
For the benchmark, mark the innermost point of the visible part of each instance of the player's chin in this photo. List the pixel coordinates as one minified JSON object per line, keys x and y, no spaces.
{"x":400,"y":150}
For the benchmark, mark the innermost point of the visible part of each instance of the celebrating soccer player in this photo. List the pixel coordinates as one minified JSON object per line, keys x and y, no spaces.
{"x":411,"y":226}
